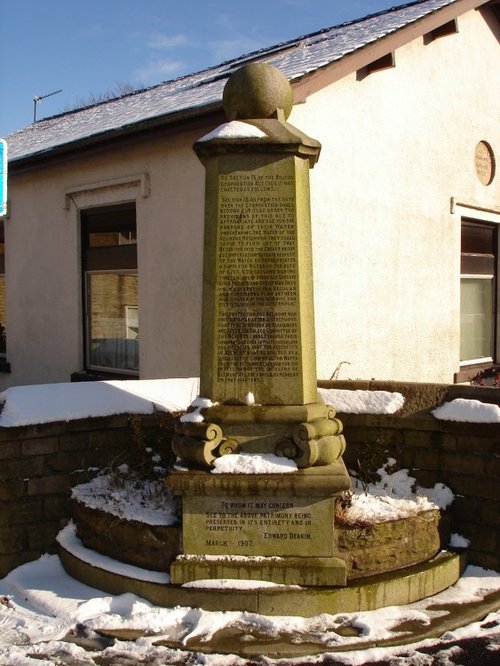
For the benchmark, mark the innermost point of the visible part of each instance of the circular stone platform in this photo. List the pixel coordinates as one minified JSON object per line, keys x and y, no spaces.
{"x":398,"y":588}
{"x":367,"y":550}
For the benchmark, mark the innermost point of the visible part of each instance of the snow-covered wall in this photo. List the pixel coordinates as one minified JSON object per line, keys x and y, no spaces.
{"x":40,"y":463}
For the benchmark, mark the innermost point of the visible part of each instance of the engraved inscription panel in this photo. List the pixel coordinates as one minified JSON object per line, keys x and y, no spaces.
{"x":257,"y":288}
{"x":267,"y":526}
{"x":484,"y":162}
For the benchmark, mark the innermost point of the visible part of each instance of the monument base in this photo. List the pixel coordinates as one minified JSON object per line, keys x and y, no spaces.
{"x":273,"y":527}
{"x":303,"y":571}
{"x":308,"y":434}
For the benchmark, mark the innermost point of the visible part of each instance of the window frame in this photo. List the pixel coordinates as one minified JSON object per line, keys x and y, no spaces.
{"x":95,"y":260}
{"x":486,"y":267}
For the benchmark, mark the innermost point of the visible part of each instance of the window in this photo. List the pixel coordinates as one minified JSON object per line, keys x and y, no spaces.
{"x":109,"y":249}
{"x":478,"y":306}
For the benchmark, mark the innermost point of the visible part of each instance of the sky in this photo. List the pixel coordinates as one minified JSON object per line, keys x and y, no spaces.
{"x":87,"y":48}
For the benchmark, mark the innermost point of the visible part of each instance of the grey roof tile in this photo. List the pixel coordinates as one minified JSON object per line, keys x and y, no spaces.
{"x":200,"y":91}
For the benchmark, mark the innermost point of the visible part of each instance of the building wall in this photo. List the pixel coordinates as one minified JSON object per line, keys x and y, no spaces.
{"x":43,"y":264}
{"x":397,"y":145}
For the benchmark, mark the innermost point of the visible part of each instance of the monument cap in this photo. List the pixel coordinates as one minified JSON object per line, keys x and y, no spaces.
{"x":257,"y":90}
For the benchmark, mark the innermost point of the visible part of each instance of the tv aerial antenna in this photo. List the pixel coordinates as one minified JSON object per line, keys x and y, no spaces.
{"x":38,"y":98}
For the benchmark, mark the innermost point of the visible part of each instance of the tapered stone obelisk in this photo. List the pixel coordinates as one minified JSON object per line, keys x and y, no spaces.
{"x":258,"y":365}
{"x":258,"y":359}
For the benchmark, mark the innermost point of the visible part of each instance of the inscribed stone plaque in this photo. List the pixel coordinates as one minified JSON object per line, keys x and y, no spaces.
{"x":260,"y":310}
{"x":267,"y":526}
{"x":484,"y":162}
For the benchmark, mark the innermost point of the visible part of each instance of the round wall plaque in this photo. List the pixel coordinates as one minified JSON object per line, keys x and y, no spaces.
{"x":484,"y":161}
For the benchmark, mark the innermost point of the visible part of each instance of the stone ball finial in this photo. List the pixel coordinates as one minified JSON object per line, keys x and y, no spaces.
{"x":257,"y":90}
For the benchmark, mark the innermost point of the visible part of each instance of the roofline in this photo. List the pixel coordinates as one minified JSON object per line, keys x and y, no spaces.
{"x":251,"y":55}
{"x":126,"y":136}
{"x":352,"y":62}
{"x":302,"y":87}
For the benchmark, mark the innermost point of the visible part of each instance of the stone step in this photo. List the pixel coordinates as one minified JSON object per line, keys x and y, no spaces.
{"x":421,"y":581}
{"x":397,"y":588}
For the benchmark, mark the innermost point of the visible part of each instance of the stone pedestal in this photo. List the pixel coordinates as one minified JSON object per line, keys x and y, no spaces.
{"x":308,"y":434}
{"x":271,"y":527}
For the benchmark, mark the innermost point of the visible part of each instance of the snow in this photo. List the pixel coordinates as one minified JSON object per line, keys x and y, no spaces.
{"x":41,"y":605}
{"x":248,"y":463}
{"x":400,"y":485}
{"x":202,"y":403}
{"x":469,"y":411}
{"x":234,"y":130}
{"x":458,"y":541}
{"x":192,"y":417}
{"x":395,"y":496}
{"x":46,"y":403}
{"x":146,"y":501}
{"x":233,"y":584}
{"x":362,"y":402}
{"x":194,"y":414}
{"x":69,"y":541}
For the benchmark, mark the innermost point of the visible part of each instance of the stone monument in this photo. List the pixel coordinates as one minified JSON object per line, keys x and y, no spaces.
{"x":258,"y":364}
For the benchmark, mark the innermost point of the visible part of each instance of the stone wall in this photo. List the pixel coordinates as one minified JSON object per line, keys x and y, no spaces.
{"x":40,"y":464}
{"x":38,"y":467}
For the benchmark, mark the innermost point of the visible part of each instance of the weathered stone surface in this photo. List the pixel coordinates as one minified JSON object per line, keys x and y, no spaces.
{"x":317,"y":482}
{"x":258,"y":525}
{"x":390,"y":545}
{"x":418,"y":582}
{"x":276,"y":527}
{"x":308,"y":434}
{"x":258,"y":320}
{"x":148,"y":546}
{"x":305,"y":571}
{"x":257,"y":90}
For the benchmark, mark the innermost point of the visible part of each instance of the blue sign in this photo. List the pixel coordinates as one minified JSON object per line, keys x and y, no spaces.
{"x":3,"y":177}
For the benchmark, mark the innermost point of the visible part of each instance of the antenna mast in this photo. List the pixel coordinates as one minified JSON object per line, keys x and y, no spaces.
{"x":38,"y":98}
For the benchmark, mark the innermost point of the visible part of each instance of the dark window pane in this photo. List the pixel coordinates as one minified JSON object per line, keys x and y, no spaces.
{"x":478,"y":239}
{"x":109,"y":227}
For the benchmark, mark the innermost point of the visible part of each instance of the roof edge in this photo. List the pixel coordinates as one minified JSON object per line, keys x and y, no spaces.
{"x":363,"y":56}
{"x":303,"y":86}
